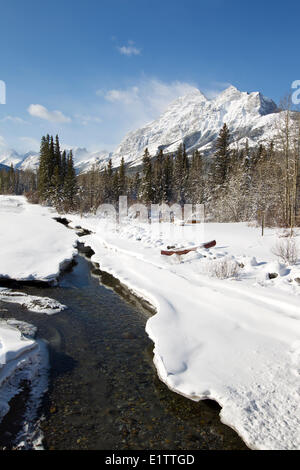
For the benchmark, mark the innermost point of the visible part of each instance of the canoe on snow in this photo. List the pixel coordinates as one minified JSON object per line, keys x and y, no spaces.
{"x":184,"y":251}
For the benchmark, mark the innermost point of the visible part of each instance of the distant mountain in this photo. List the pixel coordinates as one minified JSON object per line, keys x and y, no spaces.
{"x":83,"y":159}
{"x":29,"y":160}
{"x":9,"y":157}
{"x":192,"y":119}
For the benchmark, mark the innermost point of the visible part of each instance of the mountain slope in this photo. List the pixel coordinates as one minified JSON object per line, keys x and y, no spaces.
{"x":10,"y":156}
{"x":196,"y":121}
{"x":29,"y":160}
{"x":85,"y":160}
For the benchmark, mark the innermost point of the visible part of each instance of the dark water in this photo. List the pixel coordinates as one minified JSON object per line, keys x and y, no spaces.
{"x":104,"y":392}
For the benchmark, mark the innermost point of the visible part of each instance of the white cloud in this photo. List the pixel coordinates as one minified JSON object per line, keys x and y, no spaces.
{"x":86,"y":119}
{"x":14,"y":119}
{"x":129,"y":50}
{"x":41,"y":112}
{"x":128,"y":96}
{"x":148,"y":98}
{"x":129,"y":108}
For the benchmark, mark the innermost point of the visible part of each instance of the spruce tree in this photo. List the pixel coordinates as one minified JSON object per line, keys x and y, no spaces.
{"x":115,"y":187}
{"x":108,"y":183}
{"x":147,"y":180}
{"x":167,"y":176}
{"x":43,"y":171}
{"x":57,"y":153}
{"x":70,"y":184}
{"x":196,"y":179}
{"x":222,"y":157}
{"x":122,"y":179}
{"x":56,"y":188}
{"x":181,"y":175}
{"x":135,"y":187}
{"x":52,"y":162}
{"x":158,"y":178}
{"x":11,"y":178}
{"x":63,"y":166}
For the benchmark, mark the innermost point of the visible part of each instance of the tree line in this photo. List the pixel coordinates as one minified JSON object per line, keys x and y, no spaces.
{"x":55,"y":182}
{"x":235,"y":183}
{"x":14,"y":181}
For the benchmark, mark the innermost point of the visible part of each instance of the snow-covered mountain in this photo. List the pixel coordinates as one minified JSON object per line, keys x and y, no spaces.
{"x":10,"y":156}
{"x":196,"y":121}
{"x":83,"y":159}
{"x":29,"y":160}
{"x":192,"y":119}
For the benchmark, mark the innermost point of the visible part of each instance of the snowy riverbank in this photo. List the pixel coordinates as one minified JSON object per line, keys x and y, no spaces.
{"x":23,"y":360}
{"x":234,"y":340}
{"x":32,"y":247}
{"x":237,"y":340}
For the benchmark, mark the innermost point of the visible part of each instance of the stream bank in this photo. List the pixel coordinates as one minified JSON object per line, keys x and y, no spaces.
{"x":104,"y":392}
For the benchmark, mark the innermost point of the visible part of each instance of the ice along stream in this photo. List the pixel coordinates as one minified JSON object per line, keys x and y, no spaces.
{"x":104,"y":392}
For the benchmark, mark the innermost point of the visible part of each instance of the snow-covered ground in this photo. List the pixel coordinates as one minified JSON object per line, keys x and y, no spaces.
{"x":33,"y":246}
{"x":234,"y":340}
{"x":22,"y":358}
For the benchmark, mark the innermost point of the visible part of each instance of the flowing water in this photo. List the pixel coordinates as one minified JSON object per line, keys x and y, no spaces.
{"x":104,"y":392}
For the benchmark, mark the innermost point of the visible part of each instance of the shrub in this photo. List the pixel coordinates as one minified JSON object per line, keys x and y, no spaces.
{"x":287,"y":251}
{"x":224,"y":268}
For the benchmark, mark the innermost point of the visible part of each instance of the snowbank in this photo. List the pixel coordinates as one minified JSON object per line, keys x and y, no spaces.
{"x":32,"y":302}
{"x":22,"y":359}
{"x":237,"y":340}
{"x":32,"y":245}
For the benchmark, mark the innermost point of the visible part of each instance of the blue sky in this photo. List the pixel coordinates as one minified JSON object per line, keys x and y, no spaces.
{"x":93,"y":70}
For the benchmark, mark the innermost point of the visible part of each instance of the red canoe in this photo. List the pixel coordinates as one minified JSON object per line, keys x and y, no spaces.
{"x":184,"y":251}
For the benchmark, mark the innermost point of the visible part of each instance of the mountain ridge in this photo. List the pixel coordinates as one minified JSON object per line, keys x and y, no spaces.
{"x":196,"y":121}
{"x":192,"y":119}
